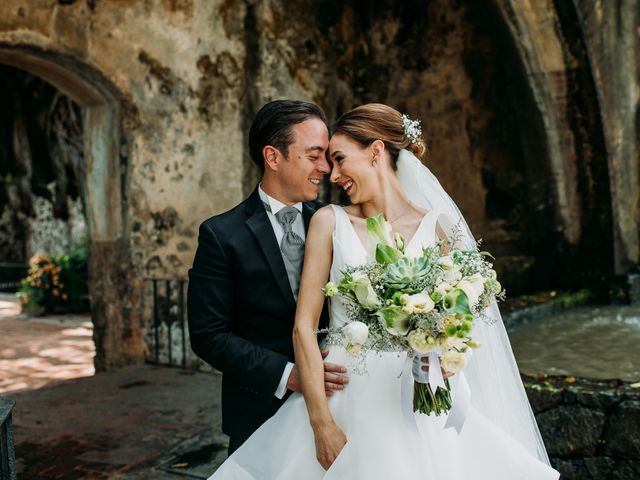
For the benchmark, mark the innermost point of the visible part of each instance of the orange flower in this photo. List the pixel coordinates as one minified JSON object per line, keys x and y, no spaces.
{"x":55,"y":292}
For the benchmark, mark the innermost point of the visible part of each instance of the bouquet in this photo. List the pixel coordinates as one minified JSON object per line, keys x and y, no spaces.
{"x":423,"y":302}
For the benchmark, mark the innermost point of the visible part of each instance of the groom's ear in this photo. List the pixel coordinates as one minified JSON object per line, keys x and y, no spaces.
{"x":271,"y":157}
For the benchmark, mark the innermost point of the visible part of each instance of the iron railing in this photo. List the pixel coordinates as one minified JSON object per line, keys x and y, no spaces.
{"x":7,"y":452}
{"x":10,"y":276}
{"x":168,"y":336}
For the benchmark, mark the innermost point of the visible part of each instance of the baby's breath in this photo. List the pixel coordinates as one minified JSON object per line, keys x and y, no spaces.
{"x":412,"y":128}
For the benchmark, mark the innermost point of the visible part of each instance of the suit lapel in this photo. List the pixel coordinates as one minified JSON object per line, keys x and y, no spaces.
{"x":260,"y":226}
{"x":308,"y":209}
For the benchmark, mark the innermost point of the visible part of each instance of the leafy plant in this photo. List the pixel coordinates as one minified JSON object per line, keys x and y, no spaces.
{"x":56,"y":283}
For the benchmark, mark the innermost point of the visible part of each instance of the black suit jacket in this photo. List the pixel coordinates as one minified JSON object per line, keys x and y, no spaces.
{"x":241,"y":311}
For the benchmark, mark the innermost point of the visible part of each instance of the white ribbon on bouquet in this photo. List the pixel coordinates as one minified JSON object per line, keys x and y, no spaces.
{"x":460,"y":395}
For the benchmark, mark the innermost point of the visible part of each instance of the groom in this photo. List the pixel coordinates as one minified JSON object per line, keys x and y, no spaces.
{"x":243,"y":286}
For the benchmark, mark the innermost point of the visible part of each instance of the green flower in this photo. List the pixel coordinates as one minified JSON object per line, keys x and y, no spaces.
{"x":330,"y":290}
{"x":394,"y":320}
{"x":386,"y":254}
{"x":456,"y":301}
{"x":361,"y":287}
{"x":379,"y":231}
{"x":399,"y":239}
{"x":379,"y":234}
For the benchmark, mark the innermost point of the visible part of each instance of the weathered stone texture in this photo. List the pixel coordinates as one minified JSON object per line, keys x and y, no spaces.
{"x":622,"y":433}
{"x":613,"y":44}
{"x":529,"y":107}
{"x":576,"y":429}
{"x":171,"y":78}
{"x":589,"y":427}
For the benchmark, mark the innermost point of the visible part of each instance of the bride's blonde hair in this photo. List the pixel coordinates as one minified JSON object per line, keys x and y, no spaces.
{"x":375,"y":121}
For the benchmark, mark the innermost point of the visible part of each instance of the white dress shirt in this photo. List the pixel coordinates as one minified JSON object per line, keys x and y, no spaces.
{"x":296,"y":227}
{"x":276,"y":206}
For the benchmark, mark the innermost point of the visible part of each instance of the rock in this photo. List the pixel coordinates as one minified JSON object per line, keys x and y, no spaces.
{"x":570,"y":469}
{"x":603,"y":399}
{"x":596,"y":468}
{"x":622,"y":434}
{"x":571,"y":430}
{"x":541,"y":398}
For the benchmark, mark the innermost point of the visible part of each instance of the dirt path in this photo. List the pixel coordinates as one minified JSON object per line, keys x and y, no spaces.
{"x":39,"y":351}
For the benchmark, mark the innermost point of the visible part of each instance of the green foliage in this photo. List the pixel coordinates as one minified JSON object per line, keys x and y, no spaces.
{"x":57,"y":283}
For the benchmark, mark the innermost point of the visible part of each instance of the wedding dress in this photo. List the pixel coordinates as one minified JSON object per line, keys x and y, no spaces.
{"x":380,"y":445}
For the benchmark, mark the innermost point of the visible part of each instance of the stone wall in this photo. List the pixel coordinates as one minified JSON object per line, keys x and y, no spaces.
{"x":54,"y":236}
{"x":170,"y":75}
{"x":507,"y":92}
{"x":590,"y":428}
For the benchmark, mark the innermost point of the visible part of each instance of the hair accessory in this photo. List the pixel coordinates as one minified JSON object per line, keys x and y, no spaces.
{"x":412,"y":128}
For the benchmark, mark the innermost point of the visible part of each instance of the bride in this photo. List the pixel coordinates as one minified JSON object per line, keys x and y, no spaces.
{"x":361,"y":432}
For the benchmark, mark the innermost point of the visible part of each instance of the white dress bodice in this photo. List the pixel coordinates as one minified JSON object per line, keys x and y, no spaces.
{"x":348,"y":250}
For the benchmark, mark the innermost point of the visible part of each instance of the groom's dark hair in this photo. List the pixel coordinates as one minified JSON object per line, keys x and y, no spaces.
{"x":272,"y":126}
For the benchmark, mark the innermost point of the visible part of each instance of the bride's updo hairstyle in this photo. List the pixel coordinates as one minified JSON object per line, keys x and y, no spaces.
{"x":375,"y":121}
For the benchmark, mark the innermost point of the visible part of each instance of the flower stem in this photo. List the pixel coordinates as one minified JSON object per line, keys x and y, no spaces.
{"x":427,"y":402}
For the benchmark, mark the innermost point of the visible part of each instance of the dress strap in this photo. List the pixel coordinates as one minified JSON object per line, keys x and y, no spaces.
{"x":347,"y":247}
{"x":341,"y":217}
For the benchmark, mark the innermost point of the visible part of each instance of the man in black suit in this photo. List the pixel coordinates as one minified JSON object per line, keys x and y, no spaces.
{"x":244,"y":282}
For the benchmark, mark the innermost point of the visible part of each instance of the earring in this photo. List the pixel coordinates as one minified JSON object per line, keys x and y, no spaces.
{"x":373,"y":160}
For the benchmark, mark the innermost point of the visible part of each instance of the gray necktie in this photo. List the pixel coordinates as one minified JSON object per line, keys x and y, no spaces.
{"x":292,"y":247}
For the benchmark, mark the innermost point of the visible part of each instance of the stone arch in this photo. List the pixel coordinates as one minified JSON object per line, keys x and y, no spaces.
{"x":541,"y":53}
{"x":572,"y":132}
{"x":104,"y":186}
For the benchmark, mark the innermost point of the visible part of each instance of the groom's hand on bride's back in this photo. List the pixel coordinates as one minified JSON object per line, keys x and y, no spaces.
{"x":334,"y":378}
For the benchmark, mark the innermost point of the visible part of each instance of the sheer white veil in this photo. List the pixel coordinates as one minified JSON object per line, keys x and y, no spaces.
{"x":496,"y":387}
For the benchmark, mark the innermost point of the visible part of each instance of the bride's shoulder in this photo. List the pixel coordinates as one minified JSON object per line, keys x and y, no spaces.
{"x":324,"y":219}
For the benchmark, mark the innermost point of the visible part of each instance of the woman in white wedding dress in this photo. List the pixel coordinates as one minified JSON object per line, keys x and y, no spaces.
{"x":361,"y":432}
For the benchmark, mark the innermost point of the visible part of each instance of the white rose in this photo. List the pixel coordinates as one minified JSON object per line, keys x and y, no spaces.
{"x":356,"y":332}
{"x":452,"y":276}
{"x":446,"y":262}
{"x":453,"y":343}
{"x":413,"y":253}
{"x":453,"y":361}
{"x":417,"y":303}
{"x":443,"y":288}
{"x":473,"y":287}
{"x":364,"y":291}
{"x":419,"y":341}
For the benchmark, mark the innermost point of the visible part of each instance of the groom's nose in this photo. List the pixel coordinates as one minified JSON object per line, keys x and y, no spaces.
{"x":323,"y":166}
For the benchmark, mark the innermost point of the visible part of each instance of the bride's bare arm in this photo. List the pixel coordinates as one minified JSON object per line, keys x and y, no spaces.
{"x":317,"y":263}
{"x":446,"y":245}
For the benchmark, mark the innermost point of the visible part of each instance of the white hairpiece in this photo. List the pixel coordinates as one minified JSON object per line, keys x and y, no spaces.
{"x":412,"y":128}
